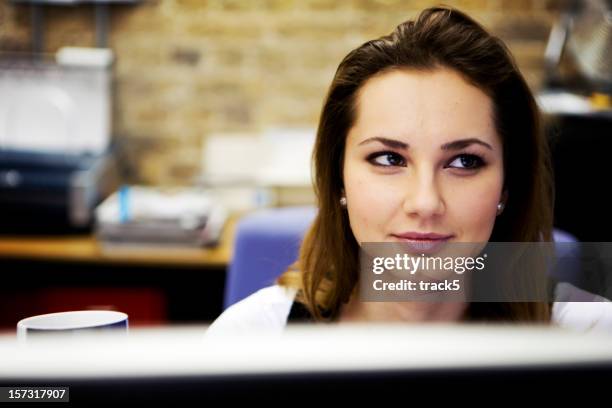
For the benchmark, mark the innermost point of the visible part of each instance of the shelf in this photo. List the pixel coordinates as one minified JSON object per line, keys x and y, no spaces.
{"x":88,"y":249}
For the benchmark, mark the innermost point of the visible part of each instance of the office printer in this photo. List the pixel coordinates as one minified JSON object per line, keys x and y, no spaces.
{"x":56,"y":163}
{"x":44,"y":193}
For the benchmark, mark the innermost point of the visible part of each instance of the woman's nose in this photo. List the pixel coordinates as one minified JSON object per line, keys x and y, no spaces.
{"x":423,"y":197}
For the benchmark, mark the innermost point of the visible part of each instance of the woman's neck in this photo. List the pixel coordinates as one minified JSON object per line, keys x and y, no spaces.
{"x":358,"y":311}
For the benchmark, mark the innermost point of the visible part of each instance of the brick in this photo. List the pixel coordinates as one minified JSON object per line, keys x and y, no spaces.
{"x":523,"y":28}
{"x":145,"y":19}
{"x":190,"y":5}
{"x":233,"y":5}
{"x":68,"y":26}
{"x":229,"y":56}
{"x":279,"y":5}
{"x":516,"y":5}
{"x":472,"y":5}
{"x":379,"y":6}
{"x":186,"y":56}
{"x":223,"y":29}
{"x":326,"y":5}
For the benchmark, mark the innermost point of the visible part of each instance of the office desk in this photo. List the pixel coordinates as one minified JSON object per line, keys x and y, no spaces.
{"x":87,"y":248}
{"x":50,"y":274}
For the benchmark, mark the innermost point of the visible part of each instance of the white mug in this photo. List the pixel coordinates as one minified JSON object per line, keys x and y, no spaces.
{"x":73,"y":321}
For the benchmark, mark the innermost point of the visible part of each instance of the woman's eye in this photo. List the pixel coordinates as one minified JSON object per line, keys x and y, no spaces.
{"x":386,"y":159}
{"x":466,"y":161}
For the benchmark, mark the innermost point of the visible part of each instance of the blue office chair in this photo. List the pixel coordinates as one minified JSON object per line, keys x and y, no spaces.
{"x":567,"y":249}
{"x":268,"y":241}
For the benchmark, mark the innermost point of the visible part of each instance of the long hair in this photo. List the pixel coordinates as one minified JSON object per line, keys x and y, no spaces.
{"x":326,"y":272}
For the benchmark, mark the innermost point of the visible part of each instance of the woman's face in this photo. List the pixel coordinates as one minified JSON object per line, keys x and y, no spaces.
{"x":423,"y":157}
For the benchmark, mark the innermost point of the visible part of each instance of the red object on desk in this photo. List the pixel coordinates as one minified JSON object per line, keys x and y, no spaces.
{"x":144,"y":306}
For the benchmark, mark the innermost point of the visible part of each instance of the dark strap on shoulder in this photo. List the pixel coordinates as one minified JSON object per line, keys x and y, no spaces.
{"x":299,"y":314}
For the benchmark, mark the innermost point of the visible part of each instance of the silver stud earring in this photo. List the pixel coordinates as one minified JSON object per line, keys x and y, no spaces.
{"x":343,"y":201}
{"x":500,"y":208}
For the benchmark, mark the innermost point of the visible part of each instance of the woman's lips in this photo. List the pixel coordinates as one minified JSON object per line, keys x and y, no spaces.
{"x":422,"y":243}
{"x":430,"y":236}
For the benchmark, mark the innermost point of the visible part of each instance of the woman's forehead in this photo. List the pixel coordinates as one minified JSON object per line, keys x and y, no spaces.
{"x":422,"y":105}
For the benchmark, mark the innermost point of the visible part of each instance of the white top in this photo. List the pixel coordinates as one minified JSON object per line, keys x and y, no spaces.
{"x":268,"y":310}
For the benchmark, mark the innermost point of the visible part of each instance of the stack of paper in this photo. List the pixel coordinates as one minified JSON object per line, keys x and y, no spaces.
{"x":148,"y":215}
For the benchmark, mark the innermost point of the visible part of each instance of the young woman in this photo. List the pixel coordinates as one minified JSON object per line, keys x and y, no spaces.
{"x":429,"y":134}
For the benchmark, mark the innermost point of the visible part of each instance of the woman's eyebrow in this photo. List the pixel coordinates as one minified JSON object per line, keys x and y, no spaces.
{"x":454,"y":145}
{"x":460,"y":144}
{"x":392,"y":143}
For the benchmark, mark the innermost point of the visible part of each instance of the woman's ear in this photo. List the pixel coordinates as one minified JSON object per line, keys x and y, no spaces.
{"x":501,"y":205}
{"x":342,"y":198}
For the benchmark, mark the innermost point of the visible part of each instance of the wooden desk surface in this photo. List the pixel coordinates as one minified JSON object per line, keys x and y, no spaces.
{"x":87,"y":249}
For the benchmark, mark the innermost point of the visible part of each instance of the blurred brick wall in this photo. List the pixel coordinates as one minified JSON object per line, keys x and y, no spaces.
{"x":186,"y":68}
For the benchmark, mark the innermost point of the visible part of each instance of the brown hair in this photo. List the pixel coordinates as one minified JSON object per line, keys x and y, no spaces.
{"x":326,"y":272}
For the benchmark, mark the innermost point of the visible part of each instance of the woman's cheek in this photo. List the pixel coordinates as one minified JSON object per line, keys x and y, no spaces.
{"x":369,"y":204}
{"x":477,"y":210}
